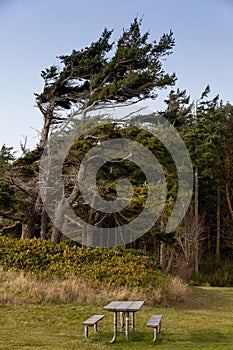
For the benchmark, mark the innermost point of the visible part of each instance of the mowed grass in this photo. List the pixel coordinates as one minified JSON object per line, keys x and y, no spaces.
{"x":203,"y":321}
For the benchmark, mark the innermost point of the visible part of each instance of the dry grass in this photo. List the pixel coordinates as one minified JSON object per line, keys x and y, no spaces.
{"x":21,"y":288}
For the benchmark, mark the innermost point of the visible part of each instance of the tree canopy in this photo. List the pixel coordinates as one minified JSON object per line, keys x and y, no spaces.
{"x":126,"y":70}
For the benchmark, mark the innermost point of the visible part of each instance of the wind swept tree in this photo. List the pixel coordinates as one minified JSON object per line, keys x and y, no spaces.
{"x":178,"y":108}
{"x":126,"y":71}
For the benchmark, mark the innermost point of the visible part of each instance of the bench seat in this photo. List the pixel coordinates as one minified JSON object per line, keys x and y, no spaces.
{"x":92,"y":322}
{"x":155,"y":322}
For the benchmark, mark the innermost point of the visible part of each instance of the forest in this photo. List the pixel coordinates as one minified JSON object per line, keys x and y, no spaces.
{"x":80,"y":93}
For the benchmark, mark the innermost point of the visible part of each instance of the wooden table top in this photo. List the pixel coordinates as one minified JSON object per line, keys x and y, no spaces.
{"x":123,"y":306}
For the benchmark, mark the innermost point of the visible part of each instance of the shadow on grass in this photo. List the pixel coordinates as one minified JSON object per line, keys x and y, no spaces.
{"x":209,"y":336}
{"x":137,"y":340}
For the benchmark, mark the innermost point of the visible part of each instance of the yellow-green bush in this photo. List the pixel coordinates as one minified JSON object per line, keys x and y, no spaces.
{"x":114,"y":267}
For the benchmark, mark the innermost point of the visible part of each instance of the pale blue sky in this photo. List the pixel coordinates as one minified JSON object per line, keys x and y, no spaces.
{"x":33,"y":33}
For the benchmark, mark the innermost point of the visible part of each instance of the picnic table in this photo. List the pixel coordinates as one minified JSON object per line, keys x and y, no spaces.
{"x":123,"y":309}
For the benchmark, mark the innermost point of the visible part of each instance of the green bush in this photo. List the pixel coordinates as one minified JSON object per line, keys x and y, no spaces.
{"x":115,"y":267}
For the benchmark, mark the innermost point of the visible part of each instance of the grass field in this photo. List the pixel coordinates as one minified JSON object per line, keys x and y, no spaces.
{"x":203,"y":321}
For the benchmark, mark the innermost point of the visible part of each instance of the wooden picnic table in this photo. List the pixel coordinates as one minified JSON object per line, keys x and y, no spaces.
{"x":123,"y":308}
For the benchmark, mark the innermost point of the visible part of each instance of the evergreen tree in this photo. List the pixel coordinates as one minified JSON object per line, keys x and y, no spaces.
{"x":128,"y":70}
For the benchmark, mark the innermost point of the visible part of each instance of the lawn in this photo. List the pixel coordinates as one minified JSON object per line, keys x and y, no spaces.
{"x":205,"y":321}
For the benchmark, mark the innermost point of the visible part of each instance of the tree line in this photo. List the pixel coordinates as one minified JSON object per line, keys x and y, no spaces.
{"x":126,"y":72}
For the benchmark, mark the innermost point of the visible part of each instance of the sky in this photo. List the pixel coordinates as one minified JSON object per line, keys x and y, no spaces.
{"x":33,"y":33}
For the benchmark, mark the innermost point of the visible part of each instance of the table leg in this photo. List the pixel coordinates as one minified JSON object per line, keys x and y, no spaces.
{"x":114,"y":328}
{"x":127,"y":325}
{"x":122,"y":320}
{"x":133,"y":322}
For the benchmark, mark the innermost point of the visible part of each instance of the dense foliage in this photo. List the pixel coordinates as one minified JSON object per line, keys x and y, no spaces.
{"x":114,"y":267}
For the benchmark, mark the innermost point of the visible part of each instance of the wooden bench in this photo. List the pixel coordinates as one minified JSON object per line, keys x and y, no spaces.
{"x":155,"y":322}
{"x":91,"y":322}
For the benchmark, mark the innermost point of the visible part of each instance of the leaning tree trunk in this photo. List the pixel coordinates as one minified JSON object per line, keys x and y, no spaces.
{"x":43,"y":224}
{"x":48,"y":119}
{"x":28,"y":229}
{"x":56,"y":235}
{"x":57,"y":226}
{"x":58,"y":222}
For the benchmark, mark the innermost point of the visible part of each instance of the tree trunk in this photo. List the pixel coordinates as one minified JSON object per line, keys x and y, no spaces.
{"x":60,"y":213}
{"x":57,"y":226}
{"x":28,"y":229}
{"x":58,"y":221}
{"x":229,"y":200}
{"x":209,"y":240}
{"x":43,"y":227}
{"x":196,"y":243}
{"x":56,"y":235}
{"x":48,"y":117}
{"x":161,"y":254}
{"x":218,"y":224}
{"x":170,"y":261}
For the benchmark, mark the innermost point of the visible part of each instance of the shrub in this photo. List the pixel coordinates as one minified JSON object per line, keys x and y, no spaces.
{"x":115,"y":267}
{"x":41,"y":271}
{"x":214,"y":272}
